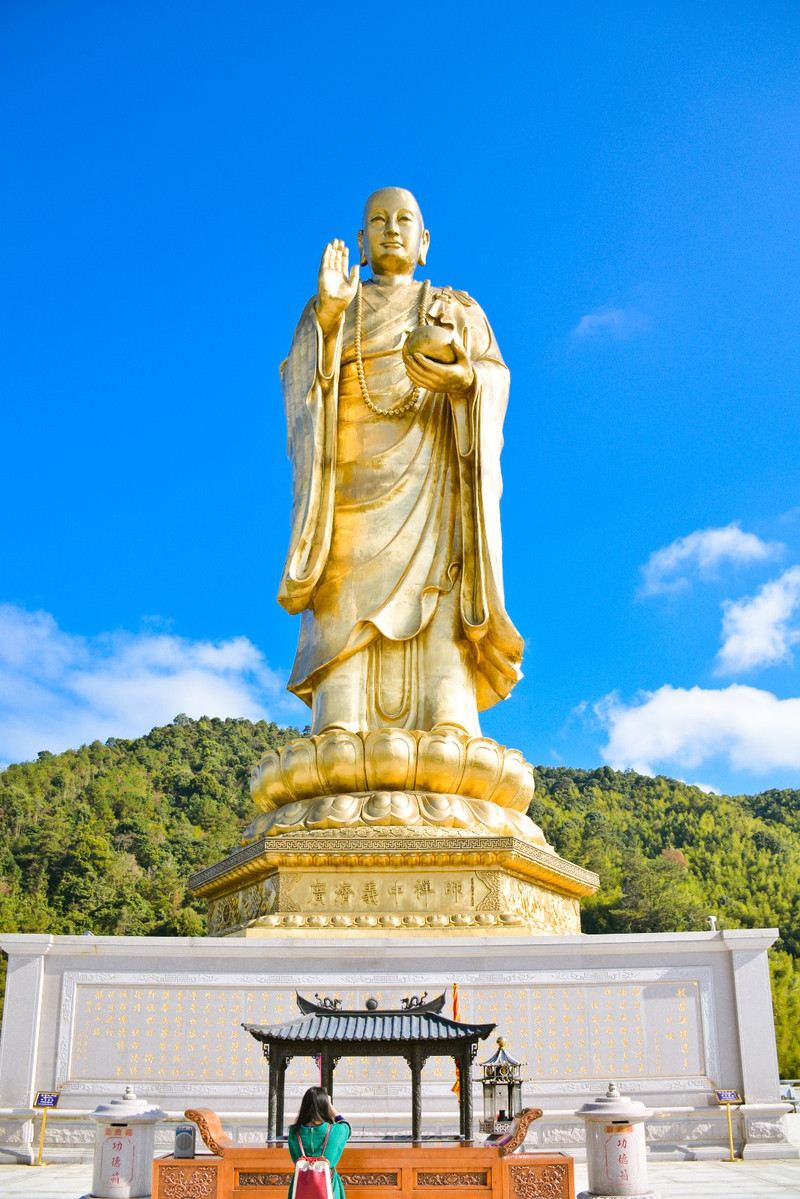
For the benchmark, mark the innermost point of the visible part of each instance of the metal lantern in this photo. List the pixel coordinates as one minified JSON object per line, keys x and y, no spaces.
{"x":502,"y":1090}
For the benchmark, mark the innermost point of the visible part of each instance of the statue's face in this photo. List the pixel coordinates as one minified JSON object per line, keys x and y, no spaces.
{"x":394,"y":239}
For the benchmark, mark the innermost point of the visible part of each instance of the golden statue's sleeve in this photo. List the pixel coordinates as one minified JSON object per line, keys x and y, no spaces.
{"x":479,"y":437}
{"x":310,"y":382}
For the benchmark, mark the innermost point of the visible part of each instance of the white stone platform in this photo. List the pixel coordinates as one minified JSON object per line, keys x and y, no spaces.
{"x":669,"y":1016}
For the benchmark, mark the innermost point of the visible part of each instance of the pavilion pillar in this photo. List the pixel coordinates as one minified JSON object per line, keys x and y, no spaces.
{"x":272,"y":1095}
{"x":465,"y":1097}
{"x":415,"y":1061}
{"x":461,"y":1124}
{"x":326,"y":1071}
{"x":279,"y":1107}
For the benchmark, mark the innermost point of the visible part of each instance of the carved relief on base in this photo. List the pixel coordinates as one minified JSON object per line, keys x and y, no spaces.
{"x":261,"y":1178}
{"x":369,"y":1180}
{"x":540,"y":1182}
{"x":453,"y":1178}
{"x":16,"y":1134}
{"x":540,"y":909}
{"x":681,"y":1131}
{"x":429,"y":896}
{"x":765,"y":1130}
{"x":72,"y":1135}
{"x":188,"y":1182}
{"x":248,"y":905}
{"x":556,"y":1136}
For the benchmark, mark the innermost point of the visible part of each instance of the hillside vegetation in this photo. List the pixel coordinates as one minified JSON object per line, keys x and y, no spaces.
{"x":102,"y":839}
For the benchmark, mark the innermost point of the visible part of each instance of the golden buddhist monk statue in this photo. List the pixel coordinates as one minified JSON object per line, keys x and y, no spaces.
{"x":395,"y":394}
{"x":395,"y":814}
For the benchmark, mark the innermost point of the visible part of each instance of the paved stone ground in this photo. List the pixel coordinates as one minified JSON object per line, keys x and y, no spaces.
{"x":672,"y":1180}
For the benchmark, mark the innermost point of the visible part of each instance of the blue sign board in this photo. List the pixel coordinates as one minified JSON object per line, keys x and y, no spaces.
{"x":46,"y":1099}
{"x":728,"y":1097}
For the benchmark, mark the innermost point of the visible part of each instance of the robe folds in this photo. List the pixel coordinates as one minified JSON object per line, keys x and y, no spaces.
{"x":391,"y":514}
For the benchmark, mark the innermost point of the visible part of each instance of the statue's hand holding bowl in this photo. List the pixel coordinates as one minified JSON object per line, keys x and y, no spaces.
{"x":436,"y":360}
{"x":432,"y":341}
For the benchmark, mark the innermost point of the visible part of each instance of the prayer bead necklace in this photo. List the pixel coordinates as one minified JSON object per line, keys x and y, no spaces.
{"x":410,"y":401}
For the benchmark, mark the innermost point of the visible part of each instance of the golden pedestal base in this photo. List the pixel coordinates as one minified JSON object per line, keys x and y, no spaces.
{"x":380,"y":882}
{"x":393,"y":832}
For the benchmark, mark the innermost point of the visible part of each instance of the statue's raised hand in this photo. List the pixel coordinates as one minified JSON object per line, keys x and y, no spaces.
{"x":336,"y":286}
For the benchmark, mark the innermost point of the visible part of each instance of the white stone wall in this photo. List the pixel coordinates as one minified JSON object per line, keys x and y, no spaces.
{"x":669,"y":1017}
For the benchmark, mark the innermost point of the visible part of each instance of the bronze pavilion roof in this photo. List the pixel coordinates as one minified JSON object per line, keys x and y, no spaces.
{"x":419,"y":1021}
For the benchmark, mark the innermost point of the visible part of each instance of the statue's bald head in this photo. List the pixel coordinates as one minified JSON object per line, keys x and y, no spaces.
{"x":393,"y":197}
{"x":393,"y":239}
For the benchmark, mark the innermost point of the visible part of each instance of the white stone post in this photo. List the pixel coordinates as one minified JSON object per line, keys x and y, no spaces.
{"x":124,"y":1147}
{"x":616,"y":1153}
{"x":19,"y":1044}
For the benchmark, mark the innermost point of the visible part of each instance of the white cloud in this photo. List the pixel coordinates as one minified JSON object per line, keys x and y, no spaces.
{"x":675,"y":727}
{"x":59,"y":691}
{"x":702,"y":553}
{"x":707,"y":788}
{"x":757,"y":629}
{"x":616,"y":323}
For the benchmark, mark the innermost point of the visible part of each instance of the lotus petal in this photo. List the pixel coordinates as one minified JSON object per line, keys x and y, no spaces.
{"x":440,"y":762}
{"x":483,"y":770}
{"x":266,"y":785}
{"x":524,"y":827}
{"x":342,"y":810}
{"x":299,"y":768}
{"x":390,"y":759}
{"x":437,"y":809}
{"x":522,"y":799}
{"x":258,"y":827}
{"x":290,"y":815}
{"x":340,"y":761}
{"x":387,"y":807}
{"x":510,"y":781}
{"x":489,"y":815}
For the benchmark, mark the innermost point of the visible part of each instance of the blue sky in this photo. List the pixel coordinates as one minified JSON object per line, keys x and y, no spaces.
{"x":618,"y":185}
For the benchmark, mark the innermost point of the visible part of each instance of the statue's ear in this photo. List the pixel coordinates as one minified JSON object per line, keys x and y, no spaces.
{"x":360,"y":240}
{"x":423,"y":247}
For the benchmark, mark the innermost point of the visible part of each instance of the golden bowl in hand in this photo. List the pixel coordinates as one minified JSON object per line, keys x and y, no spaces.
{"x":432,"y":342}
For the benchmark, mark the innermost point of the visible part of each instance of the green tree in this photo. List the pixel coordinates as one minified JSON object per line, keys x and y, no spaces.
{"x":658,"y":896}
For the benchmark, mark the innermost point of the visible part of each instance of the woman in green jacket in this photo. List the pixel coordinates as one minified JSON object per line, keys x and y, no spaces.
{"x":317,"y":1115}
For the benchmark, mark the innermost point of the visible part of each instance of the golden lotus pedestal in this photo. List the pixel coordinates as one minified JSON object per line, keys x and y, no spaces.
{"x":393,"y":832}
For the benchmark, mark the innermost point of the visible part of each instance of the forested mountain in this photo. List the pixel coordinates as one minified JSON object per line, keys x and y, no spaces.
{"x":103,"y":839}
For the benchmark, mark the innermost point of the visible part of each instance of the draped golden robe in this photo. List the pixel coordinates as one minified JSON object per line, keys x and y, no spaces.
{"x":395,"y":557}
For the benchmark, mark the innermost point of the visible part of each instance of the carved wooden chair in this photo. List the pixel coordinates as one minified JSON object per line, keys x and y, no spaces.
{"x":210,"y":1128}
{"x":512,"y":1140}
